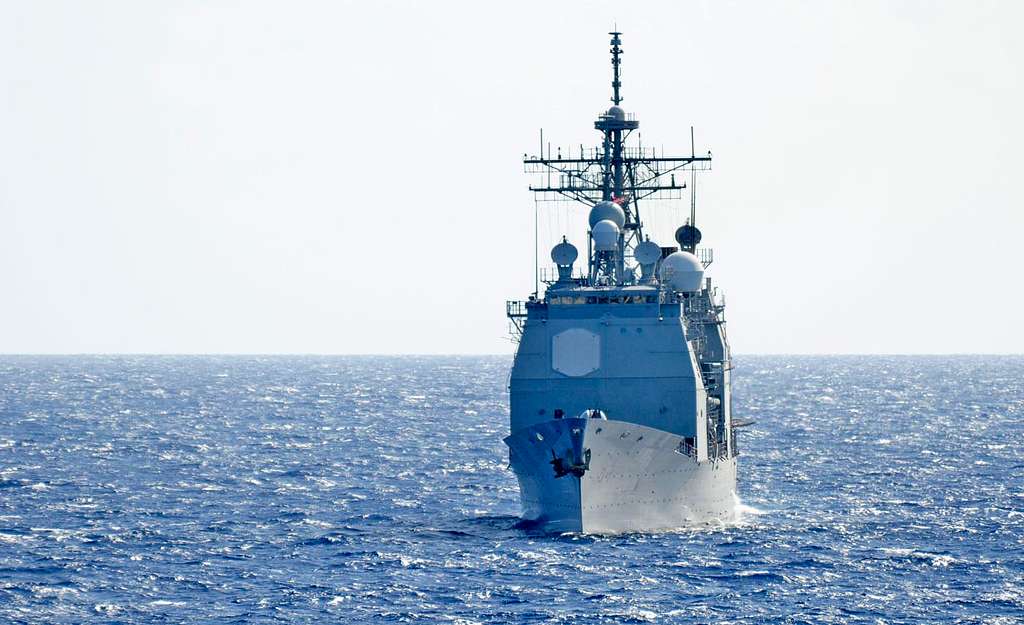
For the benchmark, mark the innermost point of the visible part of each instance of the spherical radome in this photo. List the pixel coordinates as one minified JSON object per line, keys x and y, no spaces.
{"x":688,"y":236}
{"x":606,"y":235}
{"x":607,"y":210}
{"x":682,"y":271}
{"x":616,"y":112}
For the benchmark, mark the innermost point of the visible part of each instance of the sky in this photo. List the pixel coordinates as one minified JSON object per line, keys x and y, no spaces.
{"x":346,"y":177}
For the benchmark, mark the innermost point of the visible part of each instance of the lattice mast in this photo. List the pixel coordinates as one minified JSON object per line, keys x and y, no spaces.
{"x":613,"y":172}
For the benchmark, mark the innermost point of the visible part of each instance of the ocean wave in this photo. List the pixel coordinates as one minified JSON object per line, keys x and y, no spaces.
{"x":350,"y":490}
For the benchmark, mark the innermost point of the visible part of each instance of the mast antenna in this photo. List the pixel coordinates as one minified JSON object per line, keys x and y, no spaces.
{"x":616,"y":51}
{"x":693,"y":185}
{"x":693,"y":200}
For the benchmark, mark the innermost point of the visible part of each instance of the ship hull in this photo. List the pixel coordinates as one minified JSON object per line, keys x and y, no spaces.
{"x":628,"y":478}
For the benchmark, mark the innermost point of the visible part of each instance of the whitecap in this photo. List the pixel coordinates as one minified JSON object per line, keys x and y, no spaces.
{"x":108,"y":609}
{"x":159,"y":603}
{"x":640,"y":614}
{"x":58,"y":534}
{"x":53,"y":591}
{"x":741,"y":509}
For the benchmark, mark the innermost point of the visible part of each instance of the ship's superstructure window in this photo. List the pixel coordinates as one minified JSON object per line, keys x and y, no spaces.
{"x":569,"y":300}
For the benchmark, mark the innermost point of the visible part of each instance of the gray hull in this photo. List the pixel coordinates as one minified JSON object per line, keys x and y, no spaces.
{"x":634,"y":478}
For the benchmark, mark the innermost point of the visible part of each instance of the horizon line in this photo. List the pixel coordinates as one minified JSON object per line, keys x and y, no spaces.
{"x":468,"y":354}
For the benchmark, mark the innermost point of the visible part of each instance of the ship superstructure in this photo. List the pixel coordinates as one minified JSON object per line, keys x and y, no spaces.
{"x":620,"y":415}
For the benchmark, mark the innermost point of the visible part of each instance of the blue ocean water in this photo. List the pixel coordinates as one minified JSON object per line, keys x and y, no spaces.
{"x":375,"y":490}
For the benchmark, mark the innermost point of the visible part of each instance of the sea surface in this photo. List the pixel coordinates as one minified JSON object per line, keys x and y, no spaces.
{"x":375,"y":490}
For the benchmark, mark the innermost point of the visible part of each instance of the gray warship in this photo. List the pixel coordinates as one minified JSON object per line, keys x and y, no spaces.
{"x":620,"y":412}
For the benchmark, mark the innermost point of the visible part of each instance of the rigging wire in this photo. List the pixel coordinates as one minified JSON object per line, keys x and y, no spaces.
{"x":539,"y":236}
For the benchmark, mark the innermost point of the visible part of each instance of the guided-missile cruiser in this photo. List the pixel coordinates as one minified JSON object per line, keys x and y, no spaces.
{"x":620,"y":415}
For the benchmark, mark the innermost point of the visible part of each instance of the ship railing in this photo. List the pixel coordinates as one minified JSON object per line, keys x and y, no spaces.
{"x":549,"y":275}
{"x":515,"y":309}
{"x":686,"y":448}
{"x":718,"y":449}
{"x":713,"y":374}
{"x":533,"y":162}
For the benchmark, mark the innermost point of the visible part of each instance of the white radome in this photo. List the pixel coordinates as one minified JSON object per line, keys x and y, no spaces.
{"x":607,"y":210}
{"x":606,"y":236}
{"x":647,"y":253}
{"x":682,"y":271}
{"x":564,"y":254}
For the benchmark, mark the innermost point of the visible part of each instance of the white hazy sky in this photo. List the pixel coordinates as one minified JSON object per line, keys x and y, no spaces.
{"x":345,"y":177}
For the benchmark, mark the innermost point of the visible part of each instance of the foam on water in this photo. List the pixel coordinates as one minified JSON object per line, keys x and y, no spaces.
{"x":352,"y":490}
{"x":743,"y":511}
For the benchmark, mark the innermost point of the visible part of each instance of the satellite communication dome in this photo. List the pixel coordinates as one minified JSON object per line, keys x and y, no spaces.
{"x":607,"y":210}
{"x":606,"y":235}
{"x":647,"y":253}
{"x":564,"y":253}
{"x":617,"y":113}
{"x":682,"y":271}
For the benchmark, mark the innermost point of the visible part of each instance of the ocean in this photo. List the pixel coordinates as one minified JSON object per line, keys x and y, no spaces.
{"x":220,"y":489}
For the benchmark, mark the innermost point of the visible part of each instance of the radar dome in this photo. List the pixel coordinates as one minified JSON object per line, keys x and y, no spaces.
{"x":606,"y":235}
{"x":682,"y":271}
{"x":607,"y":210}
{"x":564,"y":253}
{"x":617,"y":113}
{"x":687,"y":236}
{"x":647,"y":253}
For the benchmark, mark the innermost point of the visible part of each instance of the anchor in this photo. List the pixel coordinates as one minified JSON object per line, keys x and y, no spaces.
{"x":569,"y":464}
